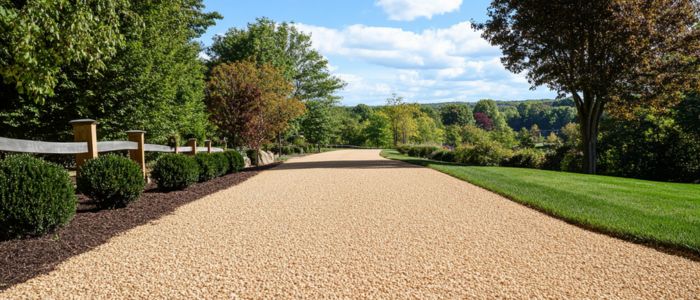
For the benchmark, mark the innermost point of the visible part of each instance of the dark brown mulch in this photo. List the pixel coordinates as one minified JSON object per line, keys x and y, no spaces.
{"x":23,"y":259}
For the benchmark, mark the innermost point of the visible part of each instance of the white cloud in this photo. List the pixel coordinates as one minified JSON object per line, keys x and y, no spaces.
{"x":394,"y":47}
{"x":408,"y":10}
{"x":444,"y":64}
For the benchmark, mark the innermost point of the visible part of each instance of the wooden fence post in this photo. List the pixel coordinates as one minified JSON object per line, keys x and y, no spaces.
{"x":192,"y":143}
{"x":207,"y":143}
{"x":174,"y":142}
{"x":85,"y":130}
{"x":138,"y":155}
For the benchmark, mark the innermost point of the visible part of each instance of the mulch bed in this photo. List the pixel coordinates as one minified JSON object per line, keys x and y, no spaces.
{"x":23,"y":259}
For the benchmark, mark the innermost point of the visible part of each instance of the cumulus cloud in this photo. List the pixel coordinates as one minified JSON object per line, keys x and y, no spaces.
{"x":408,"y":10}
{"x":395,"y":47}
{"x":444,"y":64}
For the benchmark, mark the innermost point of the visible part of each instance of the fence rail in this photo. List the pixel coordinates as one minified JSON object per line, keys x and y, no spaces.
{"x":39,"y":147}
{"x":86,"y":145}
{"x":27,"y":146}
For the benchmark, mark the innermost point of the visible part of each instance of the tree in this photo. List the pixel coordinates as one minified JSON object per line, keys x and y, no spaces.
{"x":525,"y":139}
{"x":490,"y":109}
{"x":363,"y":111}
{"x":403,"y":125}
{"x":284,"y":47}
{"x":154,"y":82}
{"x":38,"y":38}
{"x":601,"y":52}
{"x":456,"y":114}
{"x":318,"y":124}
{"x":553,"y":139}
{"x":535,"y":134}
{"x":428,"y":131}
{"x":483,"y":121}
{"x":378,"y":131}
{"x":250,"y":103}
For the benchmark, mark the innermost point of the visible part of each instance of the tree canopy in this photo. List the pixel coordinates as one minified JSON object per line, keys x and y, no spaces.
{"x":154,"y":81}
{"x":284,"y":47}
{"x":39,"y":38}
{"x":251,"y":103}
{"x":601,"y":52}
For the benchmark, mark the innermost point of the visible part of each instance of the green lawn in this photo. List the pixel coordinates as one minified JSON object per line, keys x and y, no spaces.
{"x":660,"y":213}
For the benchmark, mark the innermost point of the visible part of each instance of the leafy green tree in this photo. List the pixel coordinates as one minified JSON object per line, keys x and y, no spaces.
{"x":401,"y":117}
{"x":525,"y":139}
{"x":428,"y":130}
{"x":490,"y":108}
{"x":154,"y":82}
{"x":378,"y":130}
{"x":349,"y":130}
{"x":651,"y":146}
{"x":456,"y":114}
{"x":284,"y":47}
{"x":618,"y":53}
{"x":39,"y":38}
{"x":318,"y":124}
{"x":363,"y":111}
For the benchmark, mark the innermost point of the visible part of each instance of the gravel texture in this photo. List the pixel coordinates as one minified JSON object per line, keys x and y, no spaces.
{"x":22,"y":259}
{"x":351,"y":224}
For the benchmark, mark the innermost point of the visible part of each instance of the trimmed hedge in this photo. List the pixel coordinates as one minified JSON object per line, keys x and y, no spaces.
{"x":208,"y":167}
{"x":175,"y":172}
{"x":112,"y":181}
{"x":485,"y":153}
{"x":235,"y":161}
{"x":222,"y":163}
{"x":35,"y":196}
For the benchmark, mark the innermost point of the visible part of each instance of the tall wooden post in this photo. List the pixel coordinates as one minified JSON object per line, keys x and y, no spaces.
{"x":85,"y":130}
{"x":138,"y":155}
{"x":207,"y":143}
{"x":192,"y":143}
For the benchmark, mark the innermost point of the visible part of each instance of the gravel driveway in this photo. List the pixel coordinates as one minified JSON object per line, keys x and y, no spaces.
{"x":354,"y":225}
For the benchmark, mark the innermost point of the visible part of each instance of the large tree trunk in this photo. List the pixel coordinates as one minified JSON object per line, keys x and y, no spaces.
{"x":589,"y":116}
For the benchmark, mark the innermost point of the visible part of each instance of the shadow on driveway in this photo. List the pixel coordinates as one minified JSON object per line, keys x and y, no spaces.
{"x":346,"y":164}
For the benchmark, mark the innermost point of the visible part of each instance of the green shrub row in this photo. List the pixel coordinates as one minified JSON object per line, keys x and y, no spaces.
{"x":417,"y":150}
{"x":37,"y":196}
{"x":482,"y":153}
{"x":176,"y":172}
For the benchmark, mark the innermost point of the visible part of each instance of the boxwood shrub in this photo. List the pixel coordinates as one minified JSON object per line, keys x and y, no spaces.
{"x":35,"y":196}
{"x":208,"y":167}
{"x":235,"y":161}
{"x":175,"y":172}
{"x":222,"y":164}
{"x":112,"y":181}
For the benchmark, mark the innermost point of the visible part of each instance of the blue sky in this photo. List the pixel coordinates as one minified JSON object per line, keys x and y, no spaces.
{"x":423,"y":50}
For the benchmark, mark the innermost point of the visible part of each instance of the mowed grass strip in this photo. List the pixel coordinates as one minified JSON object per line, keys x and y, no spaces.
{"x":660,"y":213}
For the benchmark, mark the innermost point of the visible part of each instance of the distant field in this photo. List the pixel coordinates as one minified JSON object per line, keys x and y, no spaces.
{"x":661,"y":213}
